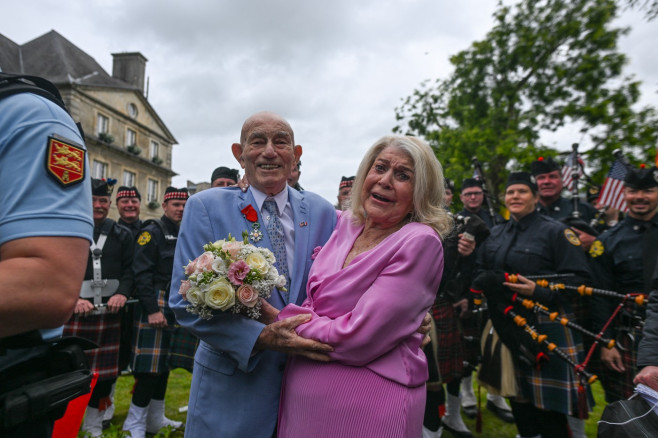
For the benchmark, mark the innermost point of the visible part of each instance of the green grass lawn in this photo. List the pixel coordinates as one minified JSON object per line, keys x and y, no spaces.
{"x":178,"y":392}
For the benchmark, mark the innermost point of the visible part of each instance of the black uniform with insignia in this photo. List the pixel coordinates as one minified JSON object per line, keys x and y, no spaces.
{"x":563,"y":207}
{"x":117,"y":259}
{"x":154,"y":260}
{"x":158,"y":350}
{"x":135,"y":227}
{"x":537,"y":245}
{"x":109,"y":273}
{"x":623,"y":260}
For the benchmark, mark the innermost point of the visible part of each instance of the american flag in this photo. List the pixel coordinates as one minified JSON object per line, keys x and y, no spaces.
{"x":612,"y":193}
{"x":567,"y":171}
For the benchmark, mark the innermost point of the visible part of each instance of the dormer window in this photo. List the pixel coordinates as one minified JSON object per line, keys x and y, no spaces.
{"x":132,"y":110}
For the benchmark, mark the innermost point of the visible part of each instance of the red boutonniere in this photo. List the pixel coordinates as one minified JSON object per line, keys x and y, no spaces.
{"x":252,"y":216}
{"x":250,"y":213}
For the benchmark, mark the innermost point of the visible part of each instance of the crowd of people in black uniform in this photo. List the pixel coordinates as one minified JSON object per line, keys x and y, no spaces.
{"x":540,"y":344}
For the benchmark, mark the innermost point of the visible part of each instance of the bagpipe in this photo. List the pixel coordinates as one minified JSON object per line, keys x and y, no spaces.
{"x":506,"y":302}
{"x":511,"y":323}
{"x":575,"y":169}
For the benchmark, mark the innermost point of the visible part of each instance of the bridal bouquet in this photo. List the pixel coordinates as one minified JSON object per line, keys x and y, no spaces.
{"x":230,"y":275}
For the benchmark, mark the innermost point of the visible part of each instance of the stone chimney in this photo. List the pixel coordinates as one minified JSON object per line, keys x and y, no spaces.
{"x":129,"y":67}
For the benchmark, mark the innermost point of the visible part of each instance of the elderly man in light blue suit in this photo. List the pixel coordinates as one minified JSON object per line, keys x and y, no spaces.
{"x":239,"y":362}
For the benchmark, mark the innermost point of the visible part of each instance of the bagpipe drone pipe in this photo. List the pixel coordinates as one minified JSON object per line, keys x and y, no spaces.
{"x":513,"y":313}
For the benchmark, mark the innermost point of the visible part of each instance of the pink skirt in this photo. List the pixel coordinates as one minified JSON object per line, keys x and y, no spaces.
{"x":333,"y":400}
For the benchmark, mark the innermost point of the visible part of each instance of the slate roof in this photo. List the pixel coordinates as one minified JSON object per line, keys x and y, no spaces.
{"x":57,"y":59}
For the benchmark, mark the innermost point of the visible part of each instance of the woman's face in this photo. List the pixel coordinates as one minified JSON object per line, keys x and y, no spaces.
{"x":519,"y":200}
{"x":388,"y":188}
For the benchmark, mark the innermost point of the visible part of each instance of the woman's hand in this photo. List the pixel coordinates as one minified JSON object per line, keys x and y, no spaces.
{"x":268,"y":312}
{"x":523,"y":286}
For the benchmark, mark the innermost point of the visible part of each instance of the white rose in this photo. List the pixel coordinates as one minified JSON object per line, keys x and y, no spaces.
{"x":220,"y":294}
{"x":257,"y":261}
{"x":219,"y":266}
{"x":194,"y":296}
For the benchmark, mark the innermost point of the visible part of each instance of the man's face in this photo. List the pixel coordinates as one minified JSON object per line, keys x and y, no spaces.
{"x":223,"y":182}
{"x":549,"y":184}
{"x":344,"y":194}
{"x":641,"y":203}
{"x":173,"y":209}
{"x":472,"y":198}
{"x":267,"y":152}
{"x":101,"y":205}
{"x":129,"y":209}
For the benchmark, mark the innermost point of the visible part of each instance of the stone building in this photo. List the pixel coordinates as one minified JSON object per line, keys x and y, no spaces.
{"x":125,"y":137}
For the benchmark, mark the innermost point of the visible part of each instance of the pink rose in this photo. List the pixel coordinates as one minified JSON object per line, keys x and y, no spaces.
{"x":184,"y":287}
{"x":238,"y":271}
{"x":316,"y":251}
{"x":191,"y":267}
{"x":204,"y":262}
{"x":247,"y":295}
{"x":232,"y":247}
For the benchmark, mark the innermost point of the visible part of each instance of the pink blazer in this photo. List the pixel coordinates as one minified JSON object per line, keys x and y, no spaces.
{"x":370,"y":310}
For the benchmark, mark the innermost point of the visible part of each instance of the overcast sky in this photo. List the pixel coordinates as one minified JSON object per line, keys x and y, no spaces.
{"x":335,"y":69}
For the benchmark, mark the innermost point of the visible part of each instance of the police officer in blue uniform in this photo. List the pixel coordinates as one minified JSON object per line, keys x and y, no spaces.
{"x":45,"y":232}
{"x":623,"y":260}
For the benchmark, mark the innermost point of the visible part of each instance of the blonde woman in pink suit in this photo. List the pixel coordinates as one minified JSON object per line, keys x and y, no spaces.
{"x":367,"y":293}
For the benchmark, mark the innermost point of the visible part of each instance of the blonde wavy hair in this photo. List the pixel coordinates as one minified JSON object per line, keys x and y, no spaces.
{"x":429,"y":190}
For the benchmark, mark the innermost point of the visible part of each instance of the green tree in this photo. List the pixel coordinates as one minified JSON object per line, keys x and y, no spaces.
{"x":544,"y":65}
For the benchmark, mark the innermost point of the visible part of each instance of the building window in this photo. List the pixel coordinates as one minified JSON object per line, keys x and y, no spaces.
{"x":132,"y":110}
{"x":102,"y":125}
{"x":152,"y":191}
{"x":128,"y":178}
{"x":99,"y":170}
{"x":155,"y":149}
{"x":131,"y":137}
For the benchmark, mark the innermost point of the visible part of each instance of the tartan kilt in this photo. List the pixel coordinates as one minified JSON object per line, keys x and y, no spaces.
{"x":620,"y":386}
{"x":158,"y":350}
{"x":554,"y":386}
{"x":450,"y":342}
{"x":104,"y":330}
{"x":182,"y":349}
{"x":151,"y":345}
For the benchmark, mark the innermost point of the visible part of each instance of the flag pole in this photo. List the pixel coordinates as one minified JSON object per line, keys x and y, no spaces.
{"x":574,"y":181}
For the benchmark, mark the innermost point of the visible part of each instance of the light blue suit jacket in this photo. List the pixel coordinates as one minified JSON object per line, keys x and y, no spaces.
{"x":235,"y":393}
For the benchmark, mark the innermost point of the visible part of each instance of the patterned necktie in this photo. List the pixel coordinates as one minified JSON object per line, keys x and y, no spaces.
{"x":275,"y":231}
